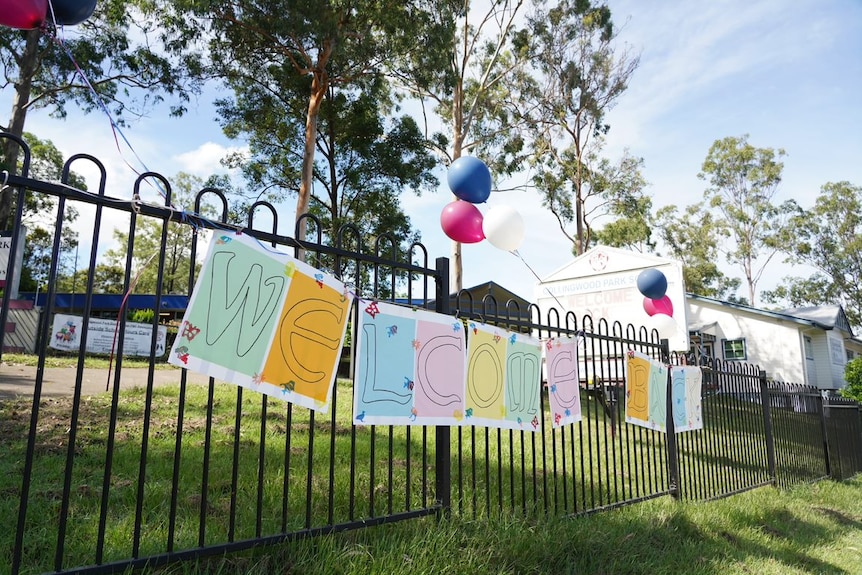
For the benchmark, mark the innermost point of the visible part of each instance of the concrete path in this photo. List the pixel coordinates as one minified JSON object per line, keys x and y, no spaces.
{"x":20,"y":380}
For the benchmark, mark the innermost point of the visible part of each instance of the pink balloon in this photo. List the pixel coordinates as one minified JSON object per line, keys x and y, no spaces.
{"x":654,"y":306}
{"x":23,"y":14}
{"x":462,"y":222}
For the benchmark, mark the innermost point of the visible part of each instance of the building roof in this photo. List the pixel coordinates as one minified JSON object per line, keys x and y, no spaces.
{"x":109,"y":302}
{"x":823,"y":319}
{"x":827,"y":315}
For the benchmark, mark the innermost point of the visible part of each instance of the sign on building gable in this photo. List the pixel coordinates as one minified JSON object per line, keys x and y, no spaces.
{"x":602,"y":283}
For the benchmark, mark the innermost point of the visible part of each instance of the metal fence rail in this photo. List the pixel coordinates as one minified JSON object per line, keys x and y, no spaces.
{"x":843,"y":436}
{"x":730,"y":454}
{"x":800,"y":440}
{"x":167,"y":471}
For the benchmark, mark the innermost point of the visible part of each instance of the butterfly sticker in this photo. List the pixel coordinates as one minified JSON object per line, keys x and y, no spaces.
{"x":372,"y":309}
{"x":189,"y":331}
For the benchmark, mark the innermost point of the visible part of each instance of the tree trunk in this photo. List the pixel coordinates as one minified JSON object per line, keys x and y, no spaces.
{"x":318,"y":91}
{"x":27,"y":69}
{"x":456,"y":269}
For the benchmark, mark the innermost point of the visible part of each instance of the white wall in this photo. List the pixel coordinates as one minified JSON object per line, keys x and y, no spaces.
{"x":774,"y":345}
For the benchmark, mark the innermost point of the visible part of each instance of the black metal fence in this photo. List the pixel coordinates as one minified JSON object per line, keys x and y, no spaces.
{"x":167,"y":468}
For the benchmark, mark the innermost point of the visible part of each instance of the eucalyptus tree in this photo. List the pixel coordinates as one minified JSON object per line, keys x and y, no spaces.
{"x":293,"y":57}
{"x":743,"y":181}
{"x":695,"y":238}
{"x":365,"y":161}
{"x":473,"y":75}
{"x":827,"y":238}
{"x":39,"y":216}
{"x":582,"y":73}
{"x":120,"y":61}
{"x":148,"y":244}
{"x":621,"y":207}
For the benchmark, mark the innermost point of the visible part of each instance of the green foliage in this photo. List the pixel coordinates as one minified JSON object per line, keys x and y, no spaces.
{"x":106,"y":279}
{"x":819,"y":238}
{"x":125,"y":59}
{"x":620,"y":190}
{"x":39,"y":218}
{"x":301,"y":55}
{"x":141,"y":315}
{"x":853,"y":377}
{"x":694,"y":238}
{"x":154,"y":244}
{"x":743,"y":181}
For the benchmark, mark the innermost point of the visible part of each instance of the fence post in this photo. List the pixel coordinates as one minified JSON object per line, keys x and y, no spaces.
{"x":823,"y":410}
{"x":443,"y":455}
{"x":670,"y":431}
{"x":767,"y":426}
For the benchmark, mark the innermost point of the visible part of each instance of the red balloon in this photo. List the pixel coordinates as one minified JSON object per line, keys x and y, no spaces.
{"x":23,"y":14}
{"x":462,"y":222}
{"x":662,"y":305}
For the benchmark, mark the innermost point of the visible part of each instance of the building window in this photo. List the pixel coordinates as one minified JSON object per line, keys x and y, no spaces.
{"x":809,"y":348}
{"x":734,"y":349}
{"x":850,"y":355}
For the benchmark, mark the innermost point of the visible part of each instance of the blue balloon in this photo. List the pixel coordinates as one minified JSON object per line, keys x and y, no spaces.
{"x":652,"y":283}
{"x":469,"y":179}
{"x":71,"y":12}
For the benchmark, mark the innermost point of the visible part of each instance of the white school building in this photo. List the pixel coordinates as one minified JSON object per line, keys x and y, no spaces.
{"x":802,"y":345}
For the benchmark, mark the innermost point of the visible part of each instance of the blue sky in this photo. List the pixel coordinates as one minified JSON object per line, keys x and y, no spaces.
{"x":789,"y":74}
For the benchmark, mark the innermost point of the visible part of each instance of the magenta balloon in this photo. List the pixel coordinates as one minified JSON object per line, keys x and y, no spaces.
{"x":462,"y":222}
{"x":23,"y":14}
{"x":662,"y":305}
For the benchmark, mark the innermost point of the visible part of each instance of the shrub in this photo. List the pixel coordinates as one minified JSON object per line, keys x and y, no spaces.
{"x":141,"y":315}
{"x":853,"y":377}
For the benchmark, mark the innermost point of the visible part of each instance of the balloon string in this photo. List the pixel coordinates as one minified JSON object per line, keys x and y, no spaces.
{"x":115,"y":129}
{"x":520,"y":257}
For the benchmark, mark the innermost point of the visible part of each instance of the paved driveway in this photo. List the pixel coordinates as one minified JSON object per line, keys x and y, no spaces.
{"x":20,"y":380}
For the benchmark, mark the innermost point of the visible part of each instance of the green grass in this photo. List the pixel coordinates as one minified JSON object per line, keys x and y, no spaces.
{"x":90,"y":361}
{"x":809,"y":529}
{"x":504,"y":489}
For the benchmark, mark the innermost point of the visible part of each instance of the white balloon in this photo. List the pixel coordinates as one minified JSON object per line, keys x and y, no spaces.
{"x":503,"y":226}
{"x":664,"y":324}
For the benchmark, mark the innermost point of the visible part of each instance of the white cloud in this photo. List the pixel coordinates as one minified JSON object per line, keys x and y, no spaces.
{"x":205,"y":160}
